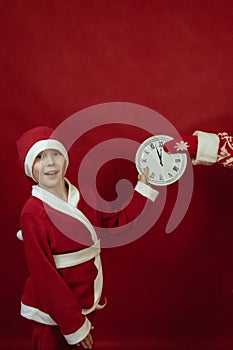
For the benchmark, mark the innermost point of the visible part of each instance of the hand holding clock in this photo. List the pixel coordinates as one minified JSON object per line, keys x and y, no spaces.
{"x":143,"y":177}
{"x":205,"y":148}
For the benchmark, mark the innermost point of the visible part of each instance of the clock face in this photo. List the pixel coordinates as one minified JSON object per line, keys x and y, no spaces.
{"x":164,"y":168}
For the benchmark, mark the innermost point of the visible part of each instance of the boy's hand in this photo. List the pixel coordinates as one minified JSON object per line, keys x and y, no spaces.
{"x":87,"y":342}
{"x":143,"y":177}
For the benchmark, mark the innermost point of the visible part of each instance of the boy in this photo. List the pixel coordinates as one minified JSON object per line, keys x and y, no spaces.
{"x":65,"y":283}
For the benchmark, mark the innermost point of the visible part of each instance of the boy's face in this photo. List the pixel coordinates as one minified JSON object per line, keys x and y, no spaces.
{"x":49,"y":169}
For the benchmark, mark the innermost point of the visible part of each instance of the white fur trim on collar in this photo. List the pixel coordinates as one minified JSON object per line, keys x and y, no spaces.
{"x":64,"y":207}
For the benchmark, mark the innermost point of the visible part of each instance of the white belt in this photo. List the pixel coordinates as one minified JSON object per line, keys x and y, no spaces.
{"x":78,"y":257}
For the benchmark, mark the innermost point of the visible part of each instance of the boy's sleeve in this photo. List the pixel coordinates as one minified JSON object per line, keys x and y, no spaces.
{"x":141,"y":194}
{"x":57,"y":298}
{"x":146,"y":191}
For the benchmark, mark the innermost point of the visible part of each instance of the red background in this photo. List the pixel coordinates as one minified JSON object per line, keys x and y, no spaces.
{"x":58,"y":57}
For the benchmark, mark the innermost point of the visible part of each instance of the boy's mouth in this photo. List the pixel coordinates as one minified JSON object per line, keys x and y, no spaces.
{"x":54,"y":172}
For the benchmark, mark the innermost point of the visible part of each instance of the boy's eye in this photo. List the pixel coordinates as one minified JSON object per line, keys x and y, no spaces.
{"x":43,"y":155}
{"x":57,"y":153}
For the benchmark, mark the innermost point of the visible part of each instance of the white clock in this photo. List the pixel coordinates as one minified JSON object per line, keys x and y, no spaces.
{"x":164,"y":168}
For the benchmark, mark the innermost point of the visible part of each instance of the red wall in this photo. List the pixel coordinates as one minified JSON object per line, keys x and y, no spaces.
{"x":58,"y":57}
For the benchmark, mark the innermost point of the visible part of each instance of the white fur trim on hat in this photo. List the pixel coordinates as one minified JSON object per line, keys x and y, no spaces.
{"x":39,"y":147}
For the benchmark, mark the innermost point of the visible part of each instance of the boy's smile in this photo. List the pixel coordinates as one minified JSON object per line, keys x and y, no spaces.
{"x":52,"y":172}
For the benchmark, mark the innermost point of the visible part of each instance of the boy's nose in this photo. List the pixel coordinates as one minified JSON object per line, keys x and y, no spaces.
{"x":50,"y":159}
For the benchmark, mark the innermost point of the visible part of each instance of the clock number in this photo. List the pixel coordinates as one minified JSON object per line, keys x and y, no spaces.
{"x":175,"y":168}
{"x":170,"y":175}
{"x":160,"y":178}
{"x":152,"y":146}
{"x":144,"y":160}
{"x":177,"y":160}
{"x":152,"y":175}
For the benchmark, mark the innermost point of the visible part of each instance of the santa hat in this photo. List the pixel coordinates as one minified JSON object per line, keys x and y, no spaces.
{"x":34,"y":141}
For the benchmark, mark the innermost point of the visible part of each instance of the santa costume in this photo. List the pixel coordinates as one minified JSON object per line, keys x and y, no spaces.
{"x":65,"y":284}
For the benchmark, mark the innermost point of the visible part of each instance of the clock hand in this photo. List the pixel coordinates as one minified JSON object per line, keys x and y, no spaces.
{"x":160,"y":155}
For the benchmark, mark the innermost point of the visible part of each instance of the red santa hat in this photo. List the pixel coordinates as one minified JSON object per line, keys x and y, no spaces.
{"x":34,"y":141}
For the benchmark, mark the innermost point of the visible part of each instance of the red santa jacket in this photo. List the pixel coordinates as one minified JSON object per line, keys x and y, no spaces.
{"x":62,"y":252}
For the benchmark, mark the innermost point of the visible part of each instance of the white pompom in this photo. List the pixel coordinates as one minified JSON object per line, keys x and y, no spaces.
{"x":19,"y":235}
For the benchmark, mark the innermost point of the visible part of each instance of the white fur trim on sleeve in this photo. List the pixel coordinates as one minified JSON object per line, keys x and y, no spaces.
{"x":80,"y":334}
{"x":207,"y":149}
{"x":146,"y":191}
